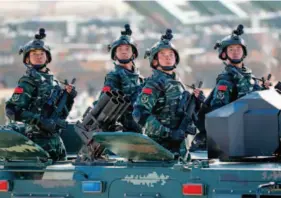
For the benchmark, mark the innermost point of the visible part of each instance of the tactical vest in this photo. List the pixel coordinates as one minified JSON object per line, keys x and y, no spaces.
{"x":44,"y":89}
{"x":171,"y":92}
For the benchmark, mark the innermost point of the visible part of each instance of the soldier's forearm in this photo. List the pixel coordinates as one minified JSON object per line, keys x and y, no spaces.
{"x":27,"y":116}
{"x":154,"y":128}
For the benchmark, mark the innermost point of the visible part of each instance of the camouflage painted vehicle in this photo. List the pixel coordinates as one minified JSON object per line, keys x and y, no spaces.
{"x":242,"y":161}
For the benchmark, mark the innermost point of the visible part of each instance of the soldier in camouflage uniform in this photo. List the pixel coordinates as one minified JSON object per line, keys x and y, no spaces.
{"x":156,"y":108}
{"x":234,"y":82}
{"x":125,"y":76}
{"x":32,"y":101}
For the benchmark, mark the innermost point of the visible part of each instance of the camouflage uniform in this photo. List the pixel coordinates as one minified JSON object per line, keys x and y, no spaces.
{"x":232,"y":84}
{"x":129,"y":82}
{"x":156,"y":108}
{"x":31,"y":104}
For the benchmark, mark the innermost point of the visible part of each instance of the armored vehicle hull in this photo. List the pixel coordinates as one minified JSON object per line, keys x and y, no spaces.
{"x":131,"y":176}
{"x":139,"y":167}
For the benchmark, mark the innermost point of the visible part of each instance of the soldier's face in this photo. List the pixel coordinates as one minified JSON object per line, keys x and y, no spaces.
{"x":166,"y":57}
{"x":235,"y":51}
{"x":124,"y":52}
{"x":37,"y":57}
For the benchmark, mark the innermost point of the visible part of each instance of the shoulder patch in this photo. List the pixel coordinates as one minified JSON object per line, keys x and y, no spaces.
{"x":222,"y":87}
{"x":106,"y":89}
{"x":147,"y":91}
{"x":220,"y":95}
{"x":18,"y":90}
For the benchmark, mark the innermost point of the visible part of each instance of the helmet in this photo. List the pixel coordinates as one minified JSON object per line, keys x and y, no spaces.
{"x":124,"y":39}
{"x":164,"y":43}
{"x":233,"y":39}
{"x":36,"y":44}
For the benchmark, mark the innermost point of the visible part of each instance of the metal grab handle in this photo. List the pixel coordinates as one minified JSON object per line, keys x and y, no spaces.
{"x":266,"y":185}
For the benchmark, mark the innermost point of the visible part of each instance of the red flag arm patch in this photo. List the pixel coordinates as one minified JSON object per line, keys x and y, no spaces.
{"x":222,"y":87}
{"x":106,"y":89}
{"x":147,"y":91}
{"x":18,"y":90}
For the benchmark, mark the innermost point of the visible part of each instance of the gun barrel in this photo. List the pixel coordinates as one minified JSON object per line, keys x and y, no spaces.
{"x":191,"y":102}
{"x":114,"y":94}
{"x":125,"y":106}
{"x":117,"y":111}
{"x":108,"y":110}
{"x":102,"y":103}
{"x":88,"y":119}
{"x":120,"y":93}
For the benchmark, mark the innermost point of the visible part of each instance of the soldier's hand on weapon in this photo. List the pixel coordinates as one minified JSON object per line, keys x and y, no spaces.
{"x":177,"y":134}
{"x":266,"y":83}
{"x":61,"y":123}
{"x":190,"y":130}
{"x":48,"y":125}
{"x":70,"y":88}
{"x":198,"y":93}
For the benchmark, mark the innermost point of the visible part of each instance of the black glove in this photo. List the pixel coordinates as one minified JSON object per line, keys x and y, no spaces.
{"x":201,"y":98}
{"x":48,"y":125}
{"x":73,"y":93}
{"x":61,"y":123}
{"x":191,"y":130}
{"x":199,"y":142}
{"x":51,"y":125}
{"x":177,"y":135}
{"x":187,"y":126}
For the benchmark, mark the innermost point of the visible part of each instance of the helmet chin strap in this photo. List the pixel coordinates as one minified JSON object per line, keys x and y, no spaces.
{"x":39,"y":67}
{"x":166,"y":68}
{"x":235,"y":61}
{"x":125,"y":61}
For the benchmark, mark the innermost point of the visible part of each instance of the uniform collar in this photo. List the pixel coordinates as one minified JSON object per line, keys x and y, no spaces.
{"x":134,"y":71}
{"x":243,"y":70}
{"x":157,"y":72}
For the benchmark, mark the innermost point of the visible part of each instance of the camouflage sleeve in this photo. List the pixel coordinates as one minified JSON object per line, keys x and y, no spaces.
{"x":16,"y":106}
{"x":111,"y":82}
{"x":222,"y":94}
{"x":143,"y":111}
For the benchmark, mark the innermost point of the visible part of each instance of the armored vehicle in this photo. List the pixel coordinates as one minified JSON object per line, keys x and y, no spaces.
{"x":242,"y":160}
